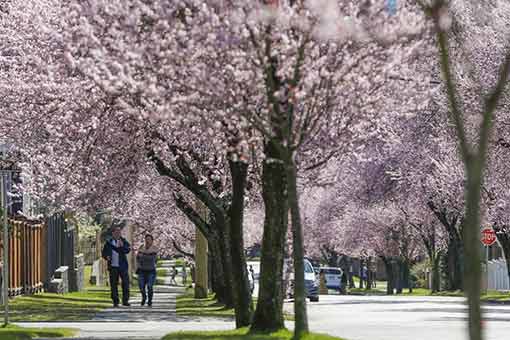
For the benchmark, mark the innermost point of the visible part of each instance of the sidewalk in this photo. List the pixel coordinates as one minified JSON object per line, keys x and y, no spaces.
{"x":140,"y":323}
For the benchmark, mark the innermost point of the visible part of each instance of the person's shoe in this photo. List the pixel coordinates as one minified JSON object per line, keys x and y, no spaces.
{"x":149,"y":303}
{"x":143,"y":301}
{"x":127,"y":304}
{"x":115,"y":305}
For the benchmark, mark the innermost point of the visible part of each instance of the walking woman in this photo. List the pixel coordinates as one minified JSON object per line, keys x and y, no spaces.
{"x":146,"y":260}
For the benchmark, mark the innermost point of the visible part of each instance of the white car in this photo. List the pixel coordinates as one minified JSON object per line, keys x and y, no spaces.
{"x":333,"y":277}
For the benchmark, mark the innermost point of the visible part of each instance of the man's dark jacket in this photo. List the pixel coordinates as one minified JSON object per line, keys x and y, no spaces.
{"x":123,"y":251}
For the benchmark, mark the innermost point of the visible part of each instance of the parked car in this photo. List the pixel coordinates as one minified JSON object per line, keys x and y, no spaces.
{"x":311,"y":283}
{"x":333,"y":277}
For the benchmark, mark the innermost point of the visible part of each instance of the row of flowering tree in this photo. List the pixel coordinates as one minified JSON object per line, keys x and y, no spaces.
{"x":148,"y":107}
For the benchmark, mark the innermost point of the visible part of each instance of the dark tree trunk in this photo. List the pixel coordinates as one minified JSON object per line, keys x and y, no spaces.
{"x":343,"y":287}
{"x":436,"y":276}
{"x":454,"y":257}
{"x":388,"y":265}
{"x":226,"y":259}
{"x":241,"y":285}
{"x":211,"y":270}
{"x":361,"y":274}
{"x":369,"y":274}
{"x":399,"y":273}
{"x":455,"y":261}
{"x":429,"y":240}
{"x":269,"y":312}
{"x":218,"y":277}
{"x":407,"y":276}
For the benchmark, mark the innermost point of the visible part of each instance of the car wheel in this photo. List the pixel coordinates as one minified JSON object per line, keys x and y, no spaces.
{"x":314,"y":299}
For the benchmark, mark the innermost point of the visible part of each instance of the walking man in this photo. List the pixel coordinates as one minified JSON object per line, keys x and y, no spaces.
{"x":115,"y":251}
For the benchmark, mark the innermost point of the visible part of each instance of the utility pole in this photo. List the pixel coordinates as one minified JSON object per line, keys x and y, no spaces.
{"x":5,"y":267}
{"x":6,"y":178}
{"x":201,"y":259}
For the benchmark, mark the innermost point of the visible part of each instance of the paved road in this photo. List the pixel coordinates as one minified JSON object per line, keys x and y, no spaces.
{"x":401,"y":318}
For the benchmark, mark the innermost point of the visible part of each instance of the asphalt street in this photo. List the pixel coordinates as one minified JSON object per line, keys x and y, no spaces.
{"x":401,"y":318}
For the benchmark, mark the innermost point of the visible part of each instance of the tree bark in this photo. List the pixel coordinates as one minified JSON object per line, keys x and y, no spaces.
{"x":300,"y":315}
{"x":471,"y":237}
{"x":455,"y":261}
{"x":388,"y":265}
{"x":454,"y":256}
{"x":399,"y":268}
{"x":218,"y":277}
{"x":436,"y":276}
{"x":226,"y":259}
{"x":241,"y":285}
{"x":369,"y":274}
{"x":269,"y":311}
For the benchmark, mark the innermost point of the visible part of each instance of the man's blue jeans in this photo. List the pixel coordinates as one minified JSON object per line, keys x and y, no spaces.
{"x":146,"y":279}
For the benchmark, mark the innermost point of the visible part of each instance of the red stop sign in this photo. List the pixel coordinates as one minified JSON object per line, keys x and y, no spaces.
{"x":488,"y":236}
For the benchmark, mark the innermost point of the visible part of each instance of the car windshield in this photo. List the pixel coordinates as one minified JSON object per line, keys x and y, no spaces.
{"x":308,"y":267}
{"x":333,"y":271}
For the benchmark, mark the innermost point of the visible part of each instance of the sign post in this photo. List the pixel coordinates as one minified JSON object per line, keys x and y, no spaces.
{"x":488,"y":238}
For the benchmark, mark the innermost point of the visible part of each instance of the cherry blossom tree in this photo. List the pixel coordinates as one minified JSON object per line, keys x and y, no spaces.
{"x":473,"y":145}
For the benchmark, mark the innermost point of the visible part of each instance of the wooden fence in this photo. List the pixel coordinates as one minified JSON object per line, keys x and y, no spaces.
{"x":36,"y":250}
{"x":25,"y":257}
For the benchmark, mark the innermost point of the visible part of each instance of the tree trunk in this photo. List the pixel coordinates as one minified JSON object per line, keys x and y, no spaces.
{"x":399,"y":271}
{"x":408,"y":277}
{"x":455,"y":257}
{"x":369,"y":274}
{"x":226,"y":259}
{"x":361,"y":274}
{"x":389,"y":272}
{"x":217,"y":271}
{"x":436,"y":278}
{"x":241,"y":285}
{"x":301,"y":319}
{"x":472,"y":274}
{"x":269,"y":311}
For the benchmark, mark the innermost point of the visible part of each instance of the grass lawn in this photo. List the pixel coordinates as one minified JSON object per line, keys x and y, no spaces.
{"x":58,"y":307}
{"x":12,"y":332}
{"x":188,"y":305}
{"x":162,"y":272}
{"x":497,"y":297}
{"x":242,"y":334}
{"x":490,"y":296}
